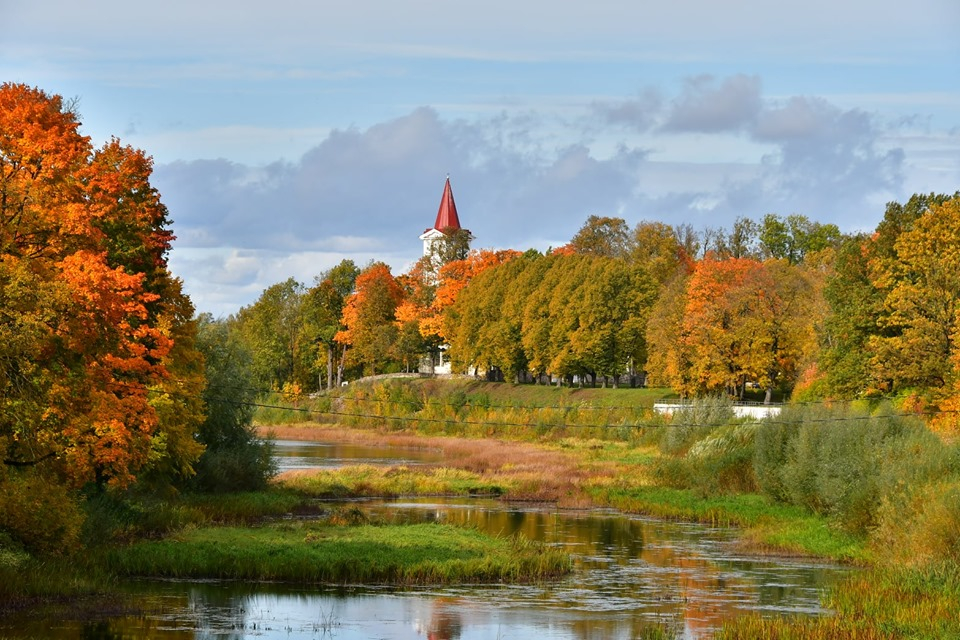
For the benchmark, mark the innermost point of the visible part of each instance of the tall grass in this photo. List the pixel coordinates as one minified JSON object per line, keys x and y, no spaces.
{"x":880,"y":604}
{"x":390,"y":482}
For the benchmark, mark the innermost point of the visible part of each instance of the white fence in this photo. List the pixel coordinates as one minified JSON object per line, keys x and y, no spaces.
{"x":756,"y":411}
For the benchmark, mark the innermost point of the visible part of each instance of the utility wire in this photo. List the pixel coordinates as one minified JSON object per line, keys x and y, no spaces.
{"x":669,"y":423}
{"x":295,"y":396}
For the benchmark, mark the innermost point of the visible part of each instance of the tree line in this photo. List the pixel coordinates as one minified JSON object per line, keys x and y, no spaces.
{"x":783,"y":304}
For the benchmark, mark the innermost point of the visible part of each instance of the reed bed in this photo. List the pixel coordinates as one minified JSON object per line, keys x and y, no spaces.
{"x":313,"y":552}
{"x":879,"y":604}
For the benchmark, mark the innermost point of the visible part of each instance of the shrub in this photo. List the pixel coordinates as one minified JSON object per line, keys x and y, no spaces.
{"x":723,"y":461}
{"x":923,"y":530}
{"x":675,"y":473}
{"x":845,"y":462}
{"x":771,"y":448}
{"x":695,"y":422}
{"x":39,"y":513}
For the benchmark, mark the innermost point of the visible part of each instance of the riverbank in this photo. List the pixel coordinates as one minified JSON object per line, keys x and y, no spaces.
{"x":888,"y":599}
{"x":571,"y":473}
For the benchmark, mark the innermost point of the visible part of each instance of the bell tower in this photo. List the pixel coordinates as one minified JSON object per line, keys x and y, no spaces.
{"x":447,"y":221}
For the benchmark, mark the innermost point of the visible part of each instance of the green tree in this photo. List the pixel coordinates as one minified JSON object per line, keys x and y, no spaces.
{"x":742,"y":240}
{"x":321,"y":311}
{"x":271,"y":328}
{"x":235,"y":458}
{"x":854,"y":305}
{"x":602,"y":236}
{"x":454,"y":245}
{"x":791,"y":239}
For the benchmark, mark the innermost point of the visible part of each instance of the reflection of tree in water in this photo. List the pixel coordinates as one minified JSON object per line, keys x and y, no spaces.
{"x":100,"y":630}
{"x":445,"y":622}
{"x":621,"y":538}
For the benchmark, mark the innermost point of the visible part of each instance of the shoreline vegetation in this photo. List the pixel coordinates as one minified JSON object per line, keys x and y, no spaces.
{"x":577,"y":449}
{"x":864,"y":483}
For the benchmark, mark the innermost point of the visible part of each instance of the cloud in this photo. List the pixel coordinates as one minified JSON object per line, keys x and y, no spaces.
{"x":706,"y":107}
{"x":366,"y":194}
{"x":640,"y":113}
{"x":827,"y":159}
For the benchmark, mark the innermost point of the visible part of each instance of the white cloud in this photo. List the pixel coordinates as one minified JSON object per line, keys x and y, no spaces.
{"x":707,"y":107}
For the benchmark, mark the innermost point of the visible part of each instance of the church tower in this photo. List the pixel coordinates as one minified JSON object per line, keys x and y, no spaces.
{"x":447,"y":221}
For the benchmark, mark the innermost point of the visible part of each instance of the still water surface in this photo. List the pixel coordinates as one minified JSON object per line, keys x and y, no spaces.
{"x":303,"y":454}
{"x":631,"y":573}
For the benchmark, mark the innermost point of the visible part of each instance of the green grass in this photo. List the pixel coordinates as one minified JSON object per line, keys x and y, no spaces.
{"x":312,"y":552}
{"x":767,"y":525}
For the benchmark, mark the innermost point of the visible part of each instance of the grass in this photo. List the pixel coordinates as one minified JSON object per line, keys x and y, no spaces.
{"x":314,"y":552}
{"x":26,"y":581}
{"x":390,"y":482}
{"x":768,"y":526}
{"x":873,"y":605}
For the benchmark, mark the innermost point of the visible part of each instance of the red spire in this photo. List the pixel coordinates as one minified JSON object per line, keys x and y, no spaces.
{"x":447,"y":214}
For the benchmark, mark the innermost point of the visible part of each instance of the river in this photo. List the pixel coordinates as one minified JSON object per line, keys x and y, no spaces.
{"x":631,"y":573}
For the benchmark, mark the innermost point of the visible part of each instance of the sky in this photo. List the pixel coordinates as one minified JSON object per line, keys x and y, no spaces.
{"x":288,"y":136}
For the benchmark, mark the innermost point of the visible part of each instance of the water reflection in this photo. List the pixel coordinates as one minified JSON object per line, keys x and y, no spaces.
{"x":631,"y":573}
{"x":297,"y":454}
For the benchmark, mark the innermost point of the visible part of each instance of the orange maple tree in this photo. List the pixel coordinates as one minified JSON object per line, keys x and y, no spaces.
{"x":369,"y":317}
{"x":84,"y":332}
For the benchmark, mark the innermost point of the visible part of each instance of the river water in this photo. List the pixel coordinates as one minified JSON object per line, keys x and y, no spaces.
{"x":631,"y":573}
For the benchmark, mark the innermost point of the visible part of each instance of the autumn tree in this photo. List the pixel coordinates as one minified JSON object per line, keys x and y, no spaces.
{"x":862,"y":335}
{"x":735,"y":320}
{"x":89,"y":314}
{"x":369,"y":318}
{"x":483,"y":327}
{"x":322,"y":310}
{"x":453,"y":277}
{"x":669,"y":356}
{"x":602,"y":236}
{"x":922,"y":291}
{"x":654,"y":245}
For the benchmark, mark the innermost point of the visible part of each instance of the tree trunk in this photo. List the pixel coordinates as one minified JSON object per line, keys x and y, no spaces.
{"x":329,"y":367}
{"x":343,"y":356}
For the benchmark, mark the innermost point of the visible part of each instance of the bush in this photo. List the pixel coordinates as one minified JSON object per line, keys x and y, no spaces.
{"x":771,"y":447}
{"x":118,"y":518}
{"x":923,"y":530}
{"x":845,"y":462}
{"x":39,"y":513}
{"x":695,"y":422}
{"x":675,"y":473}
{"x":723,"y":461}
{"x":246,"y":466}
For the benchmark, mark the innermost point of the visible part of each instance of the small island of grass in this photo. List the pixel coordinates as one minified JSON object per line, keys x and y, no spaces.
{"x":321,"y":552}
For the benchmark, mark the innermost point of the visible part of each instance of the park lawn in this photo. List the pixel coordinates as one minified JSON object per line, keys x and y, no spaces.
{"x":314,"y":552}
